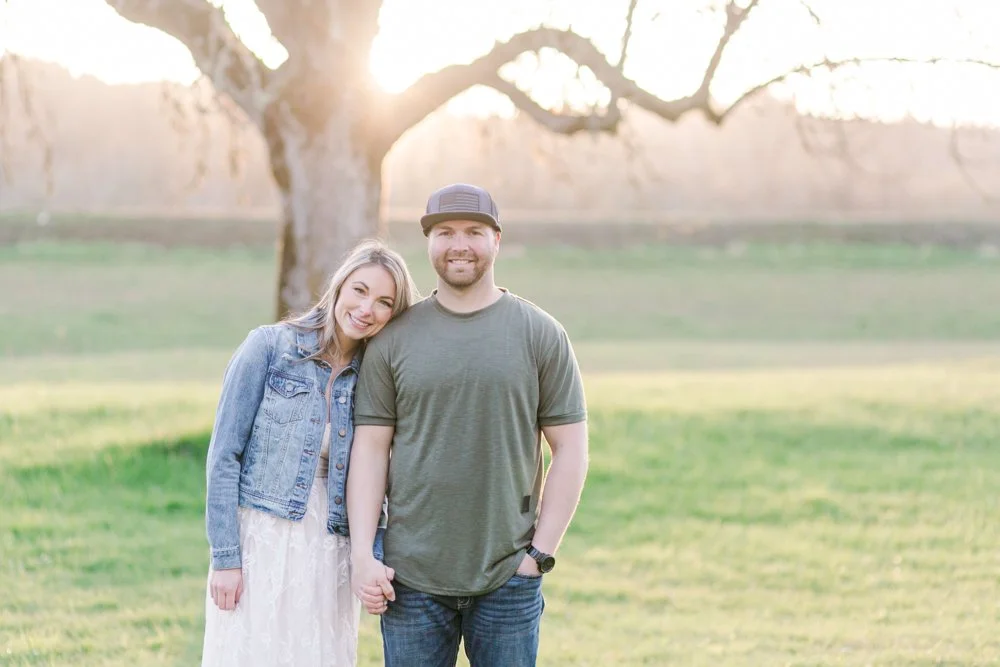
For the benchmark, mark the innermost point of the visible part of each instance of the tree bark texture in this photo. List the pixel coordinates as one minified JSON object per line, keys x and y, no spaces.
{"x":330,"y":185}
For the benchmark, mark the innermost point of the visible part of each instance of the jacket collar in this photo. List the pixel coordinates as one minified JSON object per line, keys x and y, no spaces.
{"x":307,"y":343}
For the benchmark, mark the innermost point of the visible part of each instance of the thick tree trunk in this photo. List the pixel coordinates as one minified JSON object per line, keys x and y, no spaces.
{"x":330,"y":184}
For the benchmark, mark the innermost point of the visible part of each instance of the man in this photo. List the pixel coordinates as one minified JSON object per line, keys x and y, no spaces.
{"x":458,"y":389}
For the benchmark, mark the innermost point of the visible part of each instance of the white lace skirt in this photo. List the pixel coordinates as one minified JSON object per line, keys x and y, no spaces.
{"x":297,"y":607}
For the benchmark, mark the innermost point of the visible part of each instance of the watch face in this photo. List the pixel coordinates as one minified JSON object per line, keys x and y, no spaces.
{"x":546,"y":564}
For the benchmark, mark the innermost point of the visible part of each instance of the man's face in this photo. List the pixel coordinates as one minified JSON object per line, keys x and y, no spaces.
{"x":462,"y":251}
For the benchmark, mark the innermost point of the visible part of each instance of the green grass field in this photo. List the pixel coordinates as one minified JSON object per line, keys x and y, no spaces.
{"x":794,"y":455}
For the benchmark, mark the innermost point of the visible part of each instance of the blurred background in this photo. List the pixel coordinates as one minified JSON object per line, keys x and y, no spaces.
{"x":770,"y":229}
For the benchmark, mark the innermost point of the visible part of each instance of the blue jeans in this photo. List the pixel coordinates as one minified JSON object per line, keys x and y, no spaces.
{"x":499,"y":629}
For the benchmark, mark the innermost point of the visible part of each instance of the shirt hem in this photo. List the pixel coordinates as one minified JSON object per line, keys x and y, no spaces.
{"x":373,"y":421}
{"x":454,"y":592}
{"x":562,"y":420}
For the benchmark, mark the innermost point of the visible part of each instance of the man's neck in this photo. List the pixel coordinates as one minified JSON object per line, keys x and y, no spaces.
{"x":475,"y":297}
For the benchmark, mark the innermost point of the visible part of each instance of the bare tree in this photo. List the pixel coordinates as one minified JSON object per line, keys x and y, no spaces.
{"x":328,"y":127}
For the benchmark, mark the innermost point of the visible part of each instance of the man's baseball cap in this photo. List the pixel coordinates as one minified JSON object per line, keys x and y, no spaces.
{"x":460,"y":201}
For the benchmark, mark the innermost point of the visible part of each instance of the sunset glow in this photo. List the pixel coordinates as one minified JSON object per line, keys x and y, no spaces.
{"x":670,"y":45}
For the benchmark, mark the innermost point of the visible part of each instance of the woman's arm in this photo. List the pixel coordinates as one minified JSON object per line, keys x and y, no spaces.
{"x":242,"y":393}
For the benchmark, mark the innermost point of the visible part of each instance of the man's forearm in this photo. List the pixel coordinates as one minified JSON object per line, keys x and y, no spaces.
{"x":366,"y":483}
{"x":561,"y":495}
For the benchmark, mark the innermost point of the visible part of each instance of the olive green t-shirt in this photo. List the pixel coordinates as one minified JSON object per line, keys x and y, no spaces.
{"x":467,"y":394}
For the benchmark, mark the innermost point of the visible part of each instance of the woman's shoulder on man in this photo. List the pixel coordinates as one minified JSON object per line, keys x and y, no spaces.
{"x":421,"y":306}
{"x":408,"y":317}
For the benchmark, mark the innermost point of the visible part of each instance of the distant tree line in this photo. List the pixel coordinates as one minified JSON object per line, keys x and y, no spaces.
{"x":161,"y":148}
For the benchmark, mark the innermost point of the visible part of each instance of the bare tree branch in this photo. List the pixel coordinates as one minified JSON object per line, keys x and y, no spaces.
{"x":15,"y":88}
{"x":8,"y":69}
{"x":627,"y":37}
{"x":613,"y":116}
{"x":831,"y":65}
{"x":329,"y":46}
{"x":284,"y":18}
{"x":735,"y":16}
{"x":326,"y":33}
{"x":433,"y":90}
{"x":812,"y":12}
{"x":220,"y":55}
{"x":958,"y":157}
{"x":559,"y":123}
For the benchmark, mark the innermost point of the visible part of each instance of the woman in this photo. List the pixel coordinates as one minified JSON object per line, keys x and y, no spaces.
{"x":279,"y":583}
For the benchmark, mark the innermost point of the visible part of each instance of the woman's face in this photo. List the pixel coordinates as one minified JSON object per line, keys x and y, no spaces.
{"x":365,"y":302}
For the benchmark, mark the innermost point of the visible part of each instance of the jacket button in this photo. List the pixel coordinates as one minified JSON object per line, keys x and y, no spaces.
{"x":338,"y":500}
{"x":340,"y":466}
{"x":342,"y":399}
{"x":343,"y":432}
{"x":289,"y":386}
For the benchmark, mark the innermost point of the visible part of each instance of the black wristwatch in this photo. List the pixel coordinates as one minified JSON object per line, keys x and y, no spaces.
{"x":545,"y":561}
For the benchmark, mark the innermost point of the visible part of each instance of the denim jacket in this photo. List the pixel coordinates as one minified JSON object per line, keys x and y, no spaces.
{"x":267,"y":436}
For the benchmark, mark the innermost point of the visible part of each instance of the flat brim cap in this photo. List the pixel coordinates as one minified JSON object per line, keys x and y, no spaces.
{"x":460,"y":201}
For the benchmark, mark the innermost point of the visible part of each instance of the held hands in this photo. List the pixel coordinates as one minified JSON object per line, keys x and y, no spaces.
{"x":370,"y":583}
{"x":226,"y":587}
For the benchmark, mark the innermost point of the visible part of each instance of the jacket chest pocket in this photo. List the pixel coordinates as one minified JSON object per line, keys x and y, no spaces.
{"x":289,"y":396}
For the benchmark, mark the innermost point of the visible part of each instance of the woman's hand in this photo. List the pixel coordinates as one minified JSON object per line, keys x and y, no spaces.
{"x":226,"y":587}
{"x":371,"y":584}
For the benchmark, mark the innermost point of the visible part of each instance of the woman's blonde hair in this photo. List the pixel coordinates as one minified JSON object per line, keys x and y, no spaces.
{"x":370,"y":252}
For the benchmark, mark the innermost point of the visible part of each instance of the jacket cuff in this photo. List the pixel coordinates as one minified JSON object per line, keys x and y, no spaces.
{"x":226,"y":559}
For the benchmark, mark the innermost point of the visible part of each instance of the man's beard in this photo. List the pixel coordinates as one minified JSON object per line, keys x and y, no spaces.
{"x":472,"y":275}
